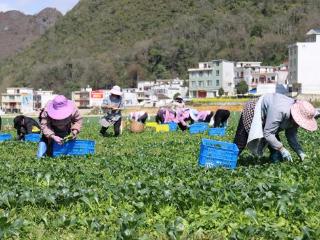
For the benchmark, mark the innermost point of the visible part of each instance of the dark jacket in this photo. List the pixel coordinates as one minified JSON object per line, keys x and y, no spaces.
{"x":25,"y":125}
{"x":221,"y":117}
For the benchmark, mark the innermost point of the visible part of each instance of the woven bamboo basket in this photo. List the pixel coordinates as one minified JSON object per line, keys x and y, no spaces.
{"x":136,"y":127}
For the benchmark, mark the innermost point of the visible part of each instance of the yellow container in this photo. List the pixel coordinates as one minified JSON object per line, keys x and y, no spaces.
{"x":151,"y":124}
{"x":162,"y":128}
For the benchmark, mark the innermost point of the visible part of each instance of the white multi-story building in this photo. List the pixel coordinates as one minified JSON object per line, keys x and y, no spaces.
{"x":304,"y":64}
{"x":170,"y":87}
{"x":209,"y":77}
{"x":88,"y":98}
{"x":130,"y":97}
{"x":147,"y":91}
{"x":41,"y":98}
{"x":262,"y":79}
{"x":82,"y":97}
{"x":17,"y":100}
{"x":96,"y":97}
{"x":144,"y":90}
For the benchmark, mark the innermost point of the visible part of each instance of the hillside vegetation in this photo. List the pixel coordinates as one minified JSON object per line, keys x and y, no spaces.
{"x":18,"y":31}
{"x":102,"y":42}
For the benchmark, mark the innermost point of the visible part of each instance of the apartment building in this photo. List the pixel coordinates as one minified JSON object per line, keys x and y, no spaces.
{"x":17,"y":100}
{"x":304,"y":64}
{"x":209,"y":77}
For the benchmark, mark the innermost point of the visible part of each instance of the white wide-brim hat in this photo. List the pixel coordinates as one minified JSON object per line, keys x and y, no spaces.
{"x":116,"y":90}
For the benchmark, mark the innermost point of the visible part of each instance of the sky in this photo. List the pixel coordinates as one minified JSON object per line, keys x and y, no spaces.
{"x":35,"y":6}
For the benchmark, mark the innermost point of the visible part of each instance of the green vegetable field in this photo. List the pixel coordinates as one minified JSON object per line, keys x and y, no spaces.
{"x":149,"y":186}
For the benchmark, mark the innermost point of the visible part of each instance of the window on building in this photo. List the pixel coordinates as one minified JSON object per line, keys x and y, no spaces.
{"x":273,"y":78}
{"x":209,"y":83}
{"x":217,"y":82}
{"x":200,"y":83}
{"x":217,"y":72}
{"x":217,"y":64}
{"x":205,"y":65}
{"x":200,"y":74}
{"x":194,"y":83}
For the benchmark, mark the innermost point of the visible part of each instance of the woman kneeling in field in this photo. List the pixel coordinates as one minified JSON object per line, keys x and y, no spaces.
{"x":215,"y":119}
{"x":112,"y":106}
{"x":25,"y":125}
{"x":59,"y":119}
{"x":165,"y":115}
{"x":261,"y":121}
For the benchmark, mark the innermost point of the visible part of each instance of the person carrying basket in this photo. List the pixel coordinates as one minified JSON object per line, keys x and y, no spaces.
{"x":112,"y":107}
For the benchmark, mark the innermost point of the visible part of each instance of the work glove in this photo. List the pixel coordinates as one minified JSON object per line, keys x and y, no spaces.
{"x":302,"y":155}
{"x":57,"y":139}
{"x":286,"y":154}
{"x":74,"y":134}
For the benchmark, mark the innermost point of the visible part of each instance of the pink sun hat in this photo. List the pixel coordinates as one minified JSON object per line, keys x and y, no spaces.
{"x":303,"y":114}
{"x":116,"y":90}
{"x":60,"y":108}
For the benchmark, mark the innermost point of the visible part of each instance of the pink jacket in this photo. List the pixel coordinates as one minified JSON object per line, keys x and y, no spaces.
{"x":199,"y":115}
{"x":182,"y":115}
{"x":202,"y":115}
{"x":74,"y":122}
{"x":169,"y":116}
{"x":136,"y":115}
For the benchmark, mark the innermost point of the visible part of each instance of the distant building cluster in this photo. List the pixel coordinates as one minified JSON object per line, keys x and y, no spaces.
{"x":209,"y":79}
{"x":298,"y":75}
{"x":24,"y":100}
{"x":147,"y":93}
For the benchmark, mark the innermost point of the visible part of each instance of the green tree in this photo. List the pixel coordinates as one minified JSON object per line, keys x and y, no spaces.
{"x":221,"y":91}
{"x":242,"y":87}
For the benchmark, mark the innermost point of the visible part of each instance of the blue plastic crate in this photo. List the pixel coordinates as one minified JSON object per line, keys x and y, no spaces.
{"x":217,"y":131}
{"x":218,"y":154}
{"x":5,"y":137}
{"x":173,"y":126}
{"x":74,"y":148}
{"x":32,"y":137}
{"x":201,"y":124}
{"x":198,"y":128}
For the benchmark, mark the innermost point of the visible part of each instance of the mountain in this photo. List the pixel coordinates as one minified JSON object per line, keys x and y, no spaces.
{"x":17,"y":30}
{"x":102,"y":42}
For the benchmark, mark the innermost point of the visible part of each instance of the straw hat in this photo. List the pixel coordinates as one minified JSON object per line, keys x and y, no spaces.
{"x":303,"y":114}
{"x":60,"y":108}
{"x":116,"y":90}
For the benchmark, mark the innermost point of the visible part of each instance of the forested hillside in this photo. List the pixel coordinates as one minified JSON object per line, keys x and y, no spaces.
{"x":102,"y":42}
{"x":17,"y":30}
